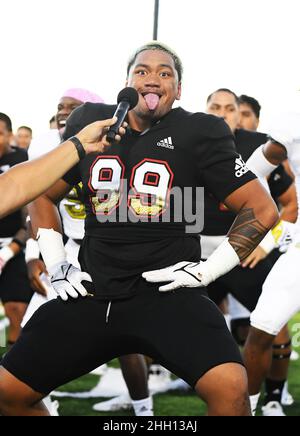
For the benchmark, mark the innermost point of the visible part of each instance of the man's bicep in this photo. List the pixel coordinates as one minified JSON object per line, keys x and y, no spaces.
{"x":58,"y":191}
{"x":274,"y":152}
{"x":250,"y":193}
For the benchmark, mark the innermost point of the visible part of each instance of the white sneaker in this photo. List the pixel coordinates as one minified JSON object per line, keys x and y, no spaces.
{"x":111,"y":384}
{"x":286,"y":399}
{"x":178,"y":385}
{"x":159,"y":379}
{"x":294,"y":356}
{"x":101,"y":370}
{"x":273,"y":408}
{"x":123,"y":402}
{"x":54,"y":408}
{"x":4,"y":323}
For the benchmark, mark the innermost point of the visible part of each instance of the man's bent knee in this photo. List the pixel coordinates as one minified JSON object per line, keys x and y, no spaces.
{"x":16,"y":398}
{"x":15,"y":310}
{"x":260,"y":338}
{"x":225,"y":390}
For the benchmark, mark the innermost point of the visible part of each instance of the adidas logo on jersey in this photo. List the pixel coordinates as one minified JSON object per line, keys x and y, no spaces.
{"x":240,"y":167}
{"x":167,"y":143}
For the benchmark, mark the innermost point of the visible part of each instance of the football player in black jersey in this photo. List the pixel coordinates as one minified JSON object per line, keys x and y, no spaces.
{"x":72,"y":213}
{"x":246,"y":285}
{"x":126,"y":307}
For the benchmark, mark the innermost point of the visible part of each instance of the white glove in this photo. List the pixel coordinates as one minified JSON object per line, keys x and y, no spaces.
{"x":195,"y":275}
{"x":66,"y":280}
{"x":283,"y":235}
{"x":181,"y":275}
{"x":6,"y":254}
{"x":285,"y":244}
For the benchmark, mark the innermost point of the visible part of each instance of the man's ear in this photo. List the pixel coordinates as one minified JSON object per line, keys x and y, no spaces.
{"x":11,"y":138}
{"x":179,"y":91}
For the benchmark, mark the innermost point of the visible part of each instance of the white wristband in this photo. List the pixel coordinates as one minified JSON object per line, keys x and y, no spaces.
{"x":6,"y":254}
{"x":280,"y":234}
{"x":32,"y":250}
{"x":268,"y":243}
{"x":259,"y":164}
{"x":52,"y":247}
{"x":221,"y":261}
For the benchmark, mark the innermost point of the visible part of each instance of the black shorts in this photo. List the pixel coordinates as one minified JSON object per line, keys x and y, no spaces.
{"x":14,"y":282}
{"x":275,"y":255}
{"x":244,"y":284}
{"x":182,"y":330}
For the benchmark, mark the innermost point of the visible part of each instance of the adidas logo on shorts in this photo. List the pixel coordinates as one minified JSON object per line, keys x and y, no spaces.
{"x":240,"y":167}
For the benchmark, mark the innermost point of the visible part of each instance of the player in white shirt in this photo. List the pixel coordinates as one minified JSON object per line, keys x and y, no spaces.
{"x":280,"y":299}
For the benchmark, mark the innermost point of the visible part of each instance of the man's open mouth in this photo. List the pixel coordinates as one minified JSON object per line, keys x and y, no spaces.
{"x":62,"y":122}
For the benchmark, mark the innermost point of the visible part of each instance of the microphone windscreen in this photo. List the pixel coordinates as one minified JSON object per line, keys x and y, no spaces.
{"x":130,"y":95}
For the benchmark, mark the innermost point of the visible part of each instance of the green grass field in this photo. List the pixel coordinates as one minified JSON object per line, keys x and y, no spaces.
{"x":170,"y":404}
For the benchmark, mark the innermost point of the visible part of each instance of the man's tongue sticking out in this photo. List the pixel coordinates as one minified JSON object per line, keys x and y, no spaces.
{"x":152,"y":101}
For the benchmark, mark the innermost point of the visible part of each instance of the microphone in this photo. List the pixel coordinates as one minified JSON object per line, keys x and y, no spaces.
{"x":127,"y":100}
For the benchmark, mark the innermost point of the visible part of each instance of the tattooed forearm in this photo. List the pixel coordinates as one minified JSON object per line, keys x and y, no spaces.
{"x":246,"y":233}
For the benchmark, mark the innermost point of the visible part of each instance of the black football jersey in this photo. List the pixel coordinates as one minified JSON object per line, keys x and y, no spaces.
{"x":218,"y":218}
{"x":12,"y":223}
{"x":128,"y":192}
